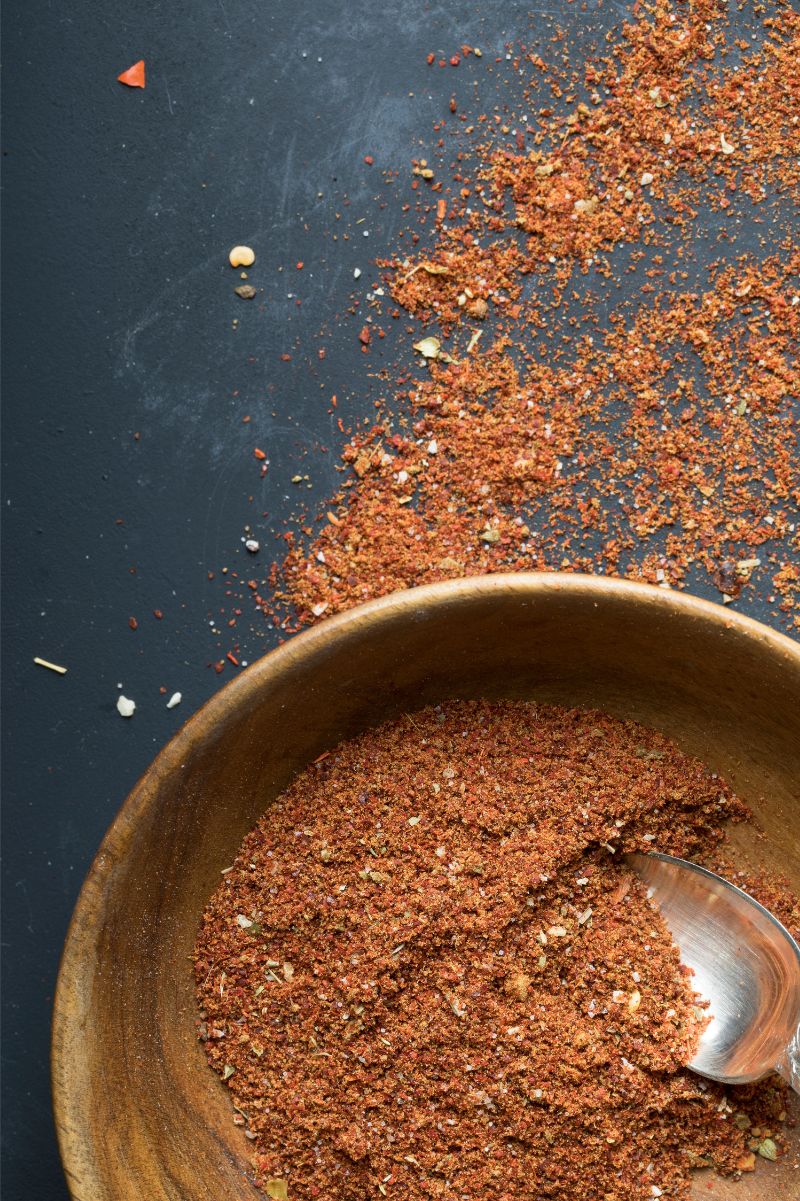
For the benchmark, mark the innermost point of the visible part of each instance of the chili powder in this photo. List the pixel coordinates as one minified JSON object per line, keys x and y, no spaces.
{"x":428,"y":973}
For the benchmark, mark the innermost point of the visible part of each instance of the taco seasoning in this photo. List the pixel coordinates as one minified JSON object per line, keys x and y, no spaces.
{"x":428,"y":974}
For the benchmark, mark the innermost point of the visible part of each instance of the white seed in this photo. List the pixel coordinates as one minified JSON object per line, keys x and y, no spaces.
{"x":174,"y":700}
{"x":241,"y":256}
{"x":125,"y":707}
{"x":252,"y":545}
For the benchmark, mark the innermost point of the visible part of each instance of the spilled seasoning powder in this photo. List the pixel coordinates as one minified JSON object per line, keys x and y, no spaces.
{"x":427,"y":974}
{"x":606,"y":288}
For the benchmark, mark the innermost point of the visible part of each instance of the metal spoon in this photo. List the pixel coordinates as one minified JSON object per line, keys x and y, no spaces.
{"x":745,"y":964}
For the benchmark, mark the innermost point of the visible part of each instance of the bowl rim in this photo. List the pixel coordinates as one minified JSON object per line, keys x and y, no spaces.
{"x":235,"y":695}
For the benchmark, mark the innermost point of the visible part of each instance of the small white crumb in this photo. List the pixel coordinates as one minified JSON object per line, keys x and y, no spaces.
{"x":125,"y":707}
{"x":318,"y":610}
{"x":357,"y":273}
{"x":174,"y":700}
{"x":647,"y":179}
{"x":433,"y":447}
{"x":244,"y":922}
{"x":252,"y":545}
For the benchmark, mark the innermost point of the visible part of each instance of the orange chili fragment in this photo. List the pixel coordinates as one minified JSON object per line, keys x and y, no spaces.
{"x":134,"y":76}
{"x":258,"y":452}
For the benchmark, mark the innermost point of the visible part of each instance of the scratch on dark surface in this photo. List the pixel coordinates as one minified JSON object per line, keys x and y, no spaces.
{"x":152,"y":311}
{"x":169,"y":98}
{"x":20,"y":884}
{"x":224,"y":12}
{"x":288,"y":174}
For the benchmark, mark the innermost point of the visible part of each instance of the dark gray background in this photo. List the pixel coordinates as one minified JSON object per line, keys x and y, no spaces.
{"x":120,"y":207}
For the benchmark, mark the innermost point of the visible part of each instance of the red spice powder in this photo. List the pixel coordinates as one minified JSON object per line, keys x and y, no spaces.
{"x":653,"y":438}
{"x":428,"y":974}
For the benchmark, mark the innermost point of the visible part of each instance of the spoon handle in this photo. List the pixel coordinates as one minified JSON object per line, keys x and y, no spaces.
{"x":789,"y":1066}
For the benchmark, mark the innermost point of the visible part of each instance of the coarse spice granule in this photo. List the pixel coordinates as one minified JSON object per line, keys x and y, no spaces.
{"x":604,"y":273}
{"x":428,"y":974}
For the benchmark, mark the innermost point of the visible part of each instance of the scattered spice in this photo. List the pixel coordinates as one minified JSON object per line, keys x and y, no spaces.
{"x":427,"y":973}
{"x":653,"y":439}
{"x":245,"y":291}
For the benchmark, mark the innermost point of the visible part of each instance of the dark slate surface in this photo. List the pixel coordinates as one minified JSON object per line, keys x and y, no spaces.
{"x":120,"y":207}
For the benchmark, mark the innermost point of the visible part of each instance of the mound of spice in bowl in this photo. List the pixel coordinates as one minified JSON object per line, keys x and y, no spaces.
{"x":428,"y":974}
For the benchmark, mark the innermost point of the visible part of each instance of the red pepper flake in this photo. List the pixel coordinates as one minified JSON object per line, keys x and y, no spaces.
{"x":369,"y":160}
{"x":430,"y":59}
{"x":455,"y":60}
{"x":365,"y":337}
{"x":232,"y":658}
{"x":158,"y":614}
{"x":133,"y":623}
{"x":300,"y":265}
{"x":259,"y":453}
{"x":134,"y":76}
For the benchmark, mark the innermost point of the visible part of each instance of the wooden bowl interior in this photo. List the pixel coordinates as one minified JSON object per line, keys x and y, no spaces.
{"x":139,"y":1114}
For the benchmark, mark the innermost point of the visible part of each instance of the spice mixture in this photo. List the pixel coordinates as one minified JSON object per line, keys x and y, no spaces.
{"x":429,"y":974}
{"x":537,"y":414}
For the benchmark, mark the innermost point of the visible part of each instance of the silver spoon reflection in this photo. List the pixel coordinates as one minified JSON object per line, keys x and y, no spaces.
{"x":745,"y":964}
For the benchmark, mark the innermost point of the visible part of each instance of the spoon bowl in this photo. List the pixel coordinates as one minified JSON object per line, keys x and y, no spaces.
{"x":745,"y":964}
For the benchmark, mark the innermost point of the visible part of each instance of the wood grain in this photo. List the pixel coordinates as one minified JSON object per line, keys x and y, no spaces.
{"x":139,"y":1115}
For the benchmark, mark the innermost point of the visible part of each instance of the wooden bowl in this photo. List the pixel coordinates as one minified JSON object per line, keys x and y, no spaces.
{"x":139,"y":1114}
